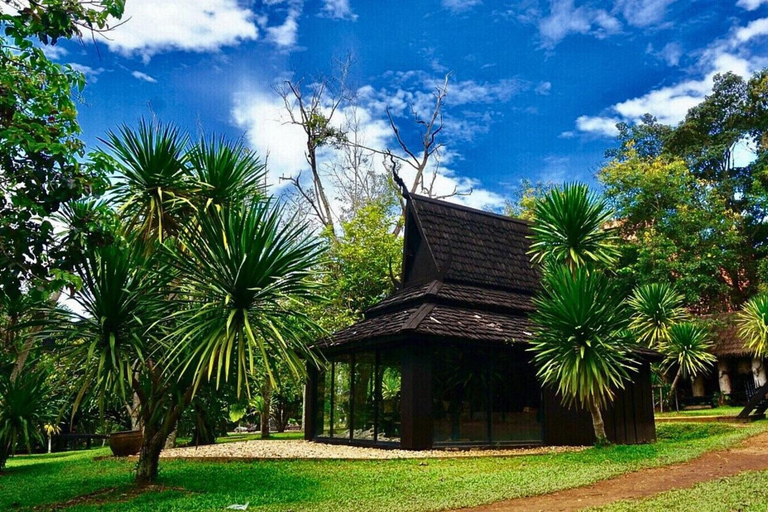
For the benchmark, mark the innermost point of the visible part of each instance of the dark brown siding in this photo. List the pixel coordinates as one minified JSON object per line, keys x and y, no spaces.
{"x":416,"y":399}
{"x":628,"y":420}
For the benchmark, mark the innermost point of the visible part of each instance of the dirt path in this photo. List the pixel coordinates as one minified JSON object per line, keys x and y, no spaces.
{"x":751,"y":455}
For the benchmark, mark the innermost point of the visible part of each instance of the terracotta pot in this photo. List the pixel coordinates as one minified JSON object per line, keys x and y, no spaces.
{"x":126,"y":443}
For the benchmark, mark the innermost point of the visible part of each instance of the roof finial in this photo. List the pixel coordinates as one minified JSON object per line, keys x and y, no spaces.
{"x":398,"y":180}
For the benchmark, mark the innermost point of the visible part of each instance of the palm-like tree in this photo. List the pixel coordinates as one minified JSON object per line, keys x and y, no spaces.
{"x":580,"y":342}
{"x":22,"y":411}
{"x":570,"y":228}
{"x":655,"y":307}
{"x":753,"y":325}
{"x":245,"y":271}
{"x":153,"y":179}
{"x":687,"y":347}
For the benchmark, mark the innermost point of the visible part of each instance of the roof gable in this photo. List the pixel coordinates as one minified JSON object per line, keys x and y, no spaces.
{"x":475,"y":247}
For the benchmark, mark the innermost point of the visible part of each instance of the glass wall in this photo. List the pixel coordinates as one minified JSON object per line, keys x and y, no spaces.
{"x":484,"y":397}
{"x":358,"y":397}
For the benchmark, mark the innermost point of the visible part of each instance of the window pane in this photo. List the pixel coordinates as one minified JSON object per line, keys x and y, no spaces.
{"x":389,"y":379}
{"x":341,"y":387}
{"x":516,"y":399}
{"x":460,"y":396}
{"x":324,"y":389}
{"x":364,"y":399}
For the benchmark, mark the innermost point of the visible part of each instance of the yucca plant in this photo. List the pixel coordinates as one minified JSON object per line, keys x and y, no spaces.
{"x":154,"y":182}
{"x":687,"y":347}
{"x":226,"y":174}
{"x":753,"y":325}
{"x":245,"y":272}
{"x":580,"y":342}
{"x":655,"y":307}
{"x":23,"y":411}
{"x":570,"y":228}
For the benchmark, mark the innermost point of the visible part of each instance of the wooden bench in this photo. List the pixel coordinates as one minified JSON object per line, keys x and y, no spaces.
{"x":70,"y":441}
{"x":698,"y":401}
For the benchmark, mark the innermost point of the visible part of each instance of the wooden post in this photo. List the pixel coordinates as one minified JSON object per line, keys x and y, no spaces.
{"x":758,"y":372}
{"x":309,"y":414}
{"x":416,"y":402}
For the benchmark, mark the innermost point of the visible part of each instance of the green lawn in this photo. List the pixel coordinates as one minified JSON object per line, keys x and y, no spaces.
{"x":432,"y":484}
{"x":725,"y":410}
{"x":746,"y":492}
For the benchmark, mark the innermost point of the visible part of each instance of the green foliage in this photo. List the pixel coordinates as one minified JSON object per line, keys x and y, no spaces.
{"x":688,"y":347}
{"x":753,"y":324}
{"x":527,"y":194}
{"x":405,"y":485}
{"x":570,"y":228}
{"x":39,"y":134}
{"x":655,"y":307}
{"x":23,"y":412}
{"x":244,"y":272}
{"x":580,"y":344}
{"x":674,"y":228}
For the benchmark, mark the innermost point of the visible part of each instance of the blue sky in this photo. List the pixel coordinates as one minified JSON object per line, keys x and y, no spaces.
{"x":535,"y":91}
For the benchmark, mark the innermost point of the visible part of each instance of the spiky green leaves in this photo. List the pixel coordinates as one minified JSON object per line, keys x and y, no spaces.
{"x":570,"y":228}
{"x":22,"y":411}
{"x":244,"y":270}
{"x":688,"y":347}
{"x":580,"y":344}
{"x":655,"y":309}
{"x":753,"y":325}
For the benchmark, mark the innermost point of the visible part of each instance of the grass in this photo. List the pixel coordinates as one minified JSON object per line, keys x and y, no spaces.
{"x":406,"y":485}
{"x":724,"y":410}
{"x":249,"y":436}
{"x":745,"y":492}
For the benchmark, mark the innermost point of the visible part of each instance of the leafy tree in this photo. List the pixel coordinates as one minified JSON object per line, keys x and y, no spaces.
{"x":655,"y":307}
{"x":687,"y":347}
{"x":39,"y":144}
{"x":674,"y":228}
{"x":528,"y":193}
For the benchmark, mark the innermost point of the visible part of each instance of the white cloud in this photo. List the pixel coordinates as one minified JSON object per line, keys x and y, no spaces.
{"x":459,"y":6}
{"x":54,"y":52}
{"x":755,"y":28}
{"x":670,"y":104}
{"x":565,"y":19}
{"x":286,"y":35}
{"x":262,"y":114}
{"x":543,"y":88}
{"x":598,"y":125}
{"x":670,"y":53}
{"x":643,"y":13}
{"x":138,"y":75}
{"x":91,"y":74}
{"x":751,"y":5}
{"x":337,"y":10}
{"x":152,"y":27}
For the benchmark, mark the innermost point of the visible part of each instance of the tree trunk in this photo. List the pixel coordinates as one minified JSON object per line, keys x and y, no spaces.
{"x":266,"y":396}
{"x":149,"y":457}
{"x":674,"y":384}
{"x":598,"y":424}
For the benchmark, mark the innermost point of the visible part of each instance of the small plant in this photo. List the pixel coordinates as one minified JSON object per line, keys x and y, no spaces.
{"x":22,"y":409}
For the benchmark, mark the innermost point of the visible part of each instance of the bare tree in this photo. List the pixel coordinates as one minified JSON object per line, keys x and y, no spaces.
{"x":313,"y":109}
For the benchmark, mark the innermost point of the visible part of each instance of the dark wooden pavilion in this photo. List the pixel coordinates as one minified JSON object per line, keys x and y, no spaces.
{"x":443,"y":361}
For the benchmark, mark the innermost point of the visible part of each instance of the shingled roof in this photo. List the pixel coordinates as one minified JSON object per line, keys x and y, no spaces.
{"x":476,"y":247}
{"x":479,"y":287}
{"x":728,"y":343}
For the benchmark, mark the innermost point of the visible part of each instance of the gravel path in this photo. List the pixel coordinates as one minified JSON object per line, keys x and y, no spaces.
{"x":297,"y":449}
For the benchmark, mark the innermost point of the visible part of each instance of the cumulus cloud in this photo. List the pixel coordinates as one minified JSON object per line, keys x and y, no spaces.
{"x":671,"y":103}
{"x":670,"y":53}
{"x":262,"y":114}
{"x":755,"y":29}
{"x":337,"y":10}
{"x":153,"y":27}
{"x":751,"y":5}
{"x":138,"y":75}
{"x":565,"y":19}
{"x":643,"y":13}
{"x":54,"y":52}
